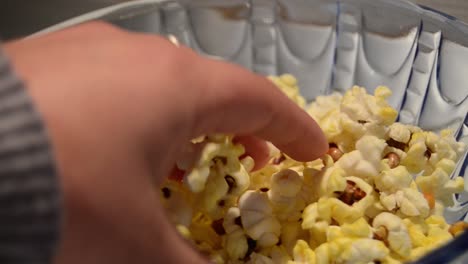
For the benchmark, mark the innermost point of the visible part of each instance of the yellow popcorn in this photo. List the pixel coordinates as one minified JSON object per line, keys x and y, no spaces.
{"x":216,"y":259}
{"x":342,"y":212}
{"x":322,"y":254}
{"x":279,"y":255}
{"x":360,"y":228}
{"x":256,"y":258}
{"x":311,"y":216}
{"x":427,"y":235}
{"x":325,"y":107}
{"x":417,"y":235}
{"x":363,"y":250}
{"x":258,"y":219}
{"x":416,"y":159}
{"x":261,"y":178}
{"x":323,"y":183}
{"x":393,"y":180}
{"x":334,"y":232}
{"x":396,"y":233}
{"x":361,"y":106}
{"x":235,"y":241}
{"x":388,"y":115}
{"x":196,"y":179}
{"x":303,"y":254}
{"x":375,"y":208}
{"x":288,"y":84}
{"x":206,"y":236}
{"x":382,"y":92}
{"x":378,"y":196}
{"x":291,"y":232}
{"x":406,"y":201}
{"x":176,"y":200}
{"x":215,"y":190}
{"x":440,"y":185}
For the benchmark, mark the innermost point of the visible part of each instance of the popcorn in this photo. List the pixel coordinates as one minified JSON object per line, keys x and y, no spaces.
{"x":392,"y":180}
{"x":235,"y":241}
{"x":360,"y":228}
{"x":363,"y":162}
{"x":394,"y":232}
{"x":303,"y":254}
{"x":377,"y":196}
{"x":258,"y":219}
{"x":352,"y":203}
{"x":399,"y":133}
{"x":285,"y":185}
{"x":416,"y":159}
{"x":196,"y":179}
{"x":176,"y":201}
{"x":288,"y":84}
{"x":291,"y":232}
{"x":363,"y":250}
{"x":279,"y":255}
{"x":256,"y":258}
{"x":440,"y":185}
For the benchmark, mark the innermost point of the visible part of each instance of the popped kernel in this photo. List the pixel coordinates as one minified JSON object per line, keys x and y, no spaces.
{"x":258,"y":219}
{"x":377,"y":196}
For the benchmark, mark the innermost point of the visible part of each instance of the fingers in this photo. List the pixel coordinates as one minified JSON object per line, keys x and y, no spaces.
{"x":237,"y":101}
{"x":255,"y":148}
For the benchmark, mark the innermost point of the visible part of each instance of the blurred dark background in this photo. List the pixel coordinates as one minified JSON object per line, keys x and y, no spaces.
{"x":22,"y":17}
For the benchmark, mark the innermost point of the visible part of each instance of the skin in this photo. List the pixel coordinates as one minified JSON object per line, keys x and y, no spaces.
{"x":118,"y":107}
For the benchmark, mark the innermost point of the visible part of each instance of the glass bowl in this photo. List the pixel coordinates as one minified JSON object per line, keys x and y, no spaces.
{"x":330,"y":45}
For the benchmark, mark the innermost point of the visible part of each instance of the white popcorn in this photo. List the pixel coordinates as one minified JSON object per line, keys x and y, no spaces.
{"x":399,"y":132}
{"x":285,"y":186}
{"x":258,"y":219}
{"x":408,"y":201}
{"x":363,"y":250}
{"x":235,"y":241}
{"x":397,"y":233}
{"x":364,"y":162}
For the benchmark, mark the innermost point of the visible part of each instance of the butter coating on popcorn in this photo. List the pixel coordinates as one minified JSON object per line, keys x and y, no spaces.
{"x":377,"y":196}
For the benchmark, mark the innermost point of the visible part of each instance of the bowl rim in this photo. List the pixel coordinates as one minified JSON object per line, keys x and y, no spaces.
{"x":103,"y":12}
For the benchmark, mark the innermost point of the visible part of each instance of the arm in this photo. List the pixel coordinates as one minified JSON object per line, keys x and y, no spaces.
{"x":119,"y":107}
{"x":29,"y":196}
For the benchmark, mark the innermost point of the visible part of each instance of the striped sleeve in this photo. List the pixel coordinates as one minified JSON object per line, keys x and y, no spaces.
{"x":29,"y":195}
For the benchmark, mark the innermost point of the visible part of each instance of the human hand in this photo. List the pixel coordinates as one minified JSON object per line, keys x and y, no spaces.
{"x":118,"y":107}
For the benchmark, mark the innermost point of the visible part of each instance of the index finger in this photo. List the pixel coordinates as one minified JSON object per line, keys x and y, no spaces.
{"x":237,"y":101}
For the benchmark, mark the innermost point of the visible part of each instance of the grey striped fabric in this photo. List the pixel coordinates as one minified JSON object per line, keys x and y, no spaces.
{"x":29,"y":195}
